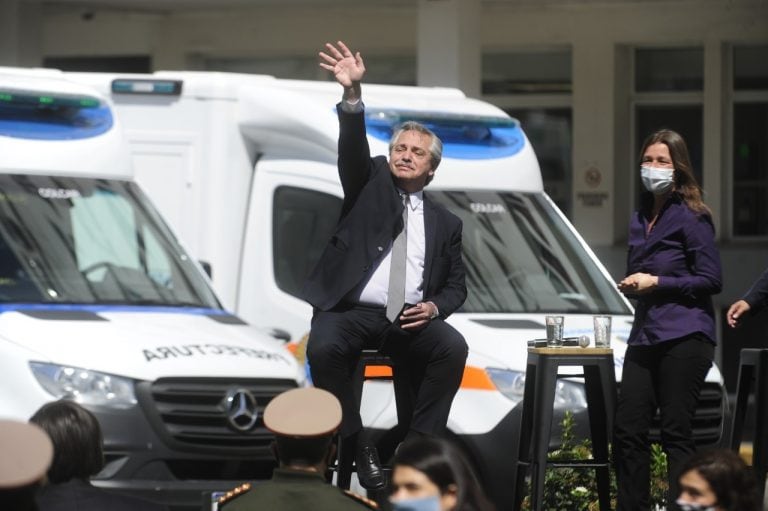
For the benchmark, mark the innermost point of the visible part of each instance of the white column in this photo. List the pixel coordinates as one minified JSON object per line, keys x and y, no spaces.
{"x":9,"y":32}
{"x":448,"y":46}
{"x":593,"y":140}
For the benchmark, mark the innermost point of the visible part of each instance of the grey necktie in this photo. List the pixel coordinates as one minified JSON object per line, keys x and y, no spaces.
{"x":396,"y":292}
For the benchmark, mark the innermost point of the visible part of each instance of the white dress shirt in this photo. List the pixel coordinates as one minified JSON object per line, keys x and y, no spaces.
{"x":375,"y":291}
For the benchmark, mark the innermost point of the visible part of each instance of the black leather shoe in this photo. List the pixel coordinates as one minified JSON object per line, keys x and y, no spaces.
{"x":369,"y":471}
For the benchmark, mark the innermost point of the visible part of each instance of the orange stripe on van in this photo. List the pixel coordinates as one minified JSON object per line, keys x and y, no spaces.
{"x":474,"y":377}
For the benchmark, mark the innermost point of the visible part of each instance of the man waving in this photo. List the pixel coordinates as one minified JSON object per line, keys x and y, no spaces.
{"x":390,"y":274}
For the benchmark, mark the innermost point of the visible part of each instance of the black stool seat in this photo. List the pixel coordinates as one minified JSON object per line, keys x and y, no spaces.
{"x":753,"y":373}
{"x":536,"y":422}
{"x":368,"y":359}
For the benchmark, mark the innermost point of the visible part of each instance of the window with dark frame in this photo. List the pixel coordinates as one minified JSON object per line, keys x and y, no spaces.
{"x":668,"y":93}
{"x":750,"y":141}
{"x":543,"y":80}
{"x":303,"y":221}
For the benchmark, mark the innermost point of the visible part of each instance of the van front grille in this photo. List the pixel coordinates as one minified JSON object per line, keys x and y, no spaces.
{"x":194,"y":411}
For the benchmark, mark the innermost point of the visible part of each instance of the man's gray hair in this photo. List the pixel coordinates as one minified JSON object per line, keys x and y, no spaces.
{"x":435,"y":148}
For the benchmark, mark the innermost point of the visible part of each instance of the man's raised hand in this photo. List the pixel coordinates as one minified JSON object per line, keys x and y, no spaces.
{"x":348,"y":68}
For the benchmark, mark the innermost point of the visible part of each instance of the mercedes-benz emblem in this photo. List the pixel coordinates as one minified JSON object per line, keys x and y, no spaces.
{"x":241,"y":409}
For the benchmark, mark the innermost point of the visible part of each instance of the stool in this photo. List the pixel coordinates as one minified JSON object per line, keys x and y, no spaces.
{"x":753,"y":367}
{"x":536,"y":422}
{"x":372,"y":366}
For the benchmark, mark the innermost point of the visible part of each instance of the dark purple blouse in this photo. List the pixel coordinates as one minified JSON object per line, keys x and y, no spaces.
{"x":681,"y":251}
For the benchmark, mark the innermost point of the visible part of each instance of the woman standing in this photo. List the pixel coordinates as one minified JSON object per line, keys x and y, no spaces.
{"x":673,"y":269}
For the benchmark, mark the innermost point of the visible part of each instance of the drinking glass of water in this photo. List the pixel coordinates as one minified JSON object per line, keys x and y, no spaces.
{"x":554,"y":331}
{"x":602,"y":331}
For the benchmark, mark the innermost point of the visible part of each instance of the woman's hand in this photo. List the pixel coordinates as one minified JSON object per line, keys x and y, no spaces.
{"x":638,"y":283}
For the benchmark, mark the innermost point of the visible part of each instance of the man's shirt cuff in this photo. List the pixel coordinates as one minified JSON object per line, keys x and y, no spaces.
{"x":352,"y":107}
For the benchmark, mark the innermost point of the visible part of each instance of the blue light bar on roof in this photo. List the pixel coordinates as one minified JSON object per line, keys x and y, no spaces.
{"x":51,"y":115}
{"x":146,"y":86}
{"x":467,"y":137}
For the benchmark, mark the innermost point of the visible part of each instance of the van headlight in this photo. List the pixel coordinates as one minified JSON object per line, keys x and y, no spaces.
{"x":85,"y":386}
{"x":509,"y":383}
{"x":568,"y":394}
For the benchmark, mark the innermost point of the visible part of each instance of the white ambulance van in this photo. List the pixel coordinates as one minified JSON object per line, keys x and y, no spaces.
{"x":244,"y":166}
{"x":100,"y":303}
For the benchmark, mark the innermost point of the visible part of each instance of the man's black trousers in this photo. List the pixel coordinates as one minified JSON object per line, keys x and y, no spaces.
{"x":434,"y":357}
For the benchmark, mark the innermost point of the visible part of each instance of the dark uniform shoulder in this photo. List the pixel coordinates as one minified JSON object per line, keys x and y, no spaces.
{"x":361,"y":499}
{"x":234,"y":493}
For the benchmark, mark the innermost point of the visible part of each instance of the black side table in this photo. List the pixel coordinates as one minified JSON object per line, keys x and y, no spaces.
{"x":753,"y":367}
{"x":538,"y":401}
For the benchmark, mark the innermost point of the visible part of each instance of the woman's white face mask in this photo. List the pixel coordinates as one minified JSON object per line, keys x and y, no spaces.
{"x":691,"y":506}
{"x":430,"y":503}
{"x":657,"y":180}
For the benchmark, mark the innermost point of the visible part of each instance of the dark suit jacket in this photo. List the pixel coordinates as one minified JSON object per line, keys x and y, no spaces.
{"x":371,"y":217}
{"x":81,"y":496}
{"x":757,"y":296}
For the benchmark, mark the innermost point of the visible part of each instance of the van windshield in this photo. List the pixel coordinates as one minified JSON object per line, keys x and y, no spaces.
{"x":90,"y":241}
{"x":521,"y":256}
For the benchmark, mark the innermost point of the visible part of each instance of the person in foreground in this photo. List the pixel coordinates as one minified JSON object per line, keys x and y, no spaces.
{"x":718,"y":480}
{"x":304,"y":422}
{"x":753,"y":302}
{"x":390,"y":275}
{"x":673,"y":269}
{"x":77,"y":455}
{"x":26,"y":452}
{"x":431,"y":474}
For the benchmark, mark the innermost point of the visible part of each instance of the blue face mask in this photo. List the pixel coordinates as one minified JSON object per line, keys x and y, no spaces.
{"x":689,"y":506}
{"x":422,"y":504}
{"x":657,"y":181}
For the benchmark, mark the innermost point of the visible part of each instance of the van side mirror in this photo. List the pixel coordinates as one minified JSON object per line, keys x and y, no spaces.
{"x":207,"y":268}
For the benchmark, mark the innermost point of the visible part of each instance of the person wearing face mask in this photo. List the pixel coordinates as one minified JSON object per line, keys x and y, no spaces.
{"x":430,"y":474}
{"x":673,"y":269}
{"x":718,"y":480}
